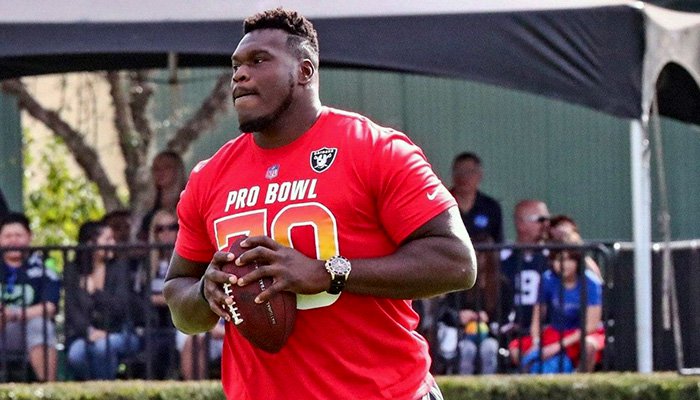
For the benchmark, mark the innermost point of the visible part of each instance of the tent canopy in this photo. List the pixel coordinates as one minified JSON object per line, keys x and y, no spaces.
{"x":604,"y":54}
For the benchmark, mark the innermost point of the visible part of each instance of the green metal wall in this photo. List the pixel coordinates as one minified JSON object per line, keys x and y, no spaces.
{"x":575,"y":159}
{"x":10,"y":152}
{"x":681,"y":148}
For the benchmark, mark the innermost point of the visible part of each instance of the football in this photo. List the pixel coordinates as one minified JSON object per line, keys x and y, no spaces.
{"x":267,"y":325}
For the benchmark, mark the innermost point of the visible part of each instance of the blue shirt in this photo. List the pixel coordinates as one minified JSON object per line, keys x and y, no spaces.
{"x":564,"y":309}
{"x":30,"y":284}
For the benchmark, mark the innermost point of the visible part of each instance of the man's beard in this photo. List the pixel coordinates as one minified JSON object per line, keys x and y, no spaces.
{"x":261,"y":123}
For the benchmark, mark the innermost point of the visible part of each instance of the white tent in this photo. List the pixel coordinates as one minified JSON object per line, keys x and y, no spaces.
{"x":615,"y":56}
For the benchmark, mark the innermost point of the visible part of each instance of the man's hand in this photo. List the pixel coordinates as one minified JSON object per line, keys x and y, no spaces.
{"x":96,"y":334}
{"x":212,"y":283}
{"x":466,"y":316}
{"x":290,"y":270}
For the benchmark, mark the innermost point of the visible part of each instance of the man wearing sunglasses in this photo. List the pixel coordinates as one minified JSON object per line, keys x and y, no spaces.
{"x":522,"y":268}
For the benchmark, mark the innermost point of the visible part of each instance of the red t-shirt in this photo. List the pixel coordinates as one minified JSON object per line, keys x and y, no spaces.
{"x":347,"y":186}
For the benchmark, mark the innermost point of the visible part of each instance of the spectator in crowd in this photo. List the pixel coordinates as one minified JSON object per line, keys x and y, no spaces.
{"x":120,"y":222}
{"x":169,"y":179}
{"x":30,"y":295}
{"x":521,"y":268}
{"x":564,"y":230}
{"x":560,"y":296}
{"x":463,"y":331}
{"x":98,"y":330}
{"x":197,"y":351}
{"x":160,"y":331}
{"x":481,"y":213}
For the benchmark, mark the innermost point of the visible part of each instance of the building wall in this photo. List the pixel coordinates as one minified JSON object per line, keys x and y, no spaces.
{"x":10,"y":157}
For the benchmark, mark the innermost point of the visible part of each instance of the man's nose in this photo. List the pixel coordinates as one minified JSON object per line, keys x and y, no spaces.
{"x":241,"y":74}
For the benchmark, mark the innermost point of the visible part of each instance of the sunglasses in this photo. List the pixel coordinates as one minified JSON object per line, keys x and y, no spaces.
{"x":536,"y":218}
{"x":170,"y":227}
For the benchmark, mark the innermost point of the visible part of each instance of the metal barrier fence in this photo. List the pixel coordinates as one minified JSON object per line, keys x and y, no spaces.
{"x":515,"y":272}
{"x":671,"y":351}
{"x":617,"y":313}
{"x":152,"y":351}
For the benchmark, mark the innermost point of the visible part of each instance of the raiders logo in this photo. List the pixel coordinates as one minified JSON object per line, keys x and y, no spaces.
{"x":322,"y":159}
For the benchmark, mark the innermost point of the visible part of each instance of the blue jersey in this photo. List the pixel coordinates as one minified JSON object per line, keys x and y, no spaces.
{"x":564,"y":306}
{"x":30,"y":284}
{"x":519,"y":291}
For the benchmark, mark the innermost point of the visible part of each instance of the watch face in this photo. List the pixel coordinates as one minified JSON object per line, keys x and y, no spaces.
{"x":338,"y":265}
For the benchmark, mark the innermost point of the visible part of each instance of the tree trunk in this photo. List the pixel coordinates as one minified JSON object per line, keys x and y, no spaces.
{"x":86,"y":157}
{"x":205,"y":118}
{"x":135,"y":137}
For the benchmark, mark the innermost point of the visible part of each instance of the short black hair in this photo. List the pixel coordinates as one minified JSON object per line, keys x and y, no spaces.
{"x":87,"y":235}
{"x":119,"y":213}
{"x":467,"y":155}
{"x":90,"y":230}
{"x":303,"y":39}
{"x":15,"y":218}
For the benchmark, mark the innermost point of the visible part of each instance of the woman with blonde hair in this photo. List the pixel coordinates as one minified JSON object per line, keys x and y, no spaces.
{"x":160,"y":337}
{"x":169,"y":180}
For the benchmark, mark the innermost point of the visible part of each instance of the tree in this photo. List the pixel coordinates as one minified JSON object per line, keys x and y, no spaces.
{"x":59,"y":203}
{"x":131,"y":93}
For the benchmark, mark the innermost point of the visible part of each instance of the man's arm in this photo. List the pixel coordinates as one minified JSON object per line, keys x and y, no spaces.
{"x":190,"y":312}
{"x":436,"y":258}
{"x":37,"y":310}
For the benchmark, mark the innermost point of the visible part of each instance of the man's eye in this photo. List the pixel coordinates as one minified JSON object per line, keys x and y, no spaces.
{"x":258,"y":60}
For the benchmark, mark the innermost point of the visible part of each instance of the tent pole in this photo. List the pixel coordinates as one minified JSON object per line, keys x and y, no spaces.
{"x":641,"y":227}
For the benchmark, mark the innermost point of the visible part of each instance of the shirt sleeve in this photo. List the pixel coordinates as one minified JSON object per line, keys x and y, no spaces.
{"x":192,"y":239}
{"x":595,"y":290}
{"x":44,"y":279}
{"x":409,"y":193}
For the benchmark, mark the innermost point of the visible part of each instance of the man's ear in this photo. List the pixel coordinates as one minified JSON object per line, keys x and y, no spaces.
{"x":307,"y":71}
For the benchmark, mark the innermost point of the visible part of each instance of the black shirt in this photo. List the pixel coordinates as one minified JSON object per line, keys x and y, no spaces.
{"x":484,"y":218}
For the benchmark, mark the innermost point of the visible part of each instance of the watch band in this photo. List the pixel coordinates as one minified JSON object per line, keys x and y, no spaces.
{"x":337,"y":284}
{"x":339,"y":268}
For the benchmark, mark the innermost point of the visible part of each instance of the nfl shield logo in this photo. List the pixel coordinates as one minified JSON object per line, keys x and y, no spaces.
{"x":322,"y":159}
{"x":272,"y":172}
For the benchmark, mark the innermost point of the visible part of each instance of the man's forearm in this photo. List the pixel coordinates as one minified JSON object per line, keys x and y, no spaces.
{"x":413,"y":273}
{"x":437,"y":258}
{"x":190,"y":313}
{"x":37,"y":310}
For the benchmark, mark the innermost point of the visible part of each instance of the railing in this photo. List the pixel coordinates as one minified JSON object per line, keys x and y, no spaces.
{"x":615,"y":263}
{"x":679,"y":351}
{"x":18,"y":364}
{"x":507,"y":309}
